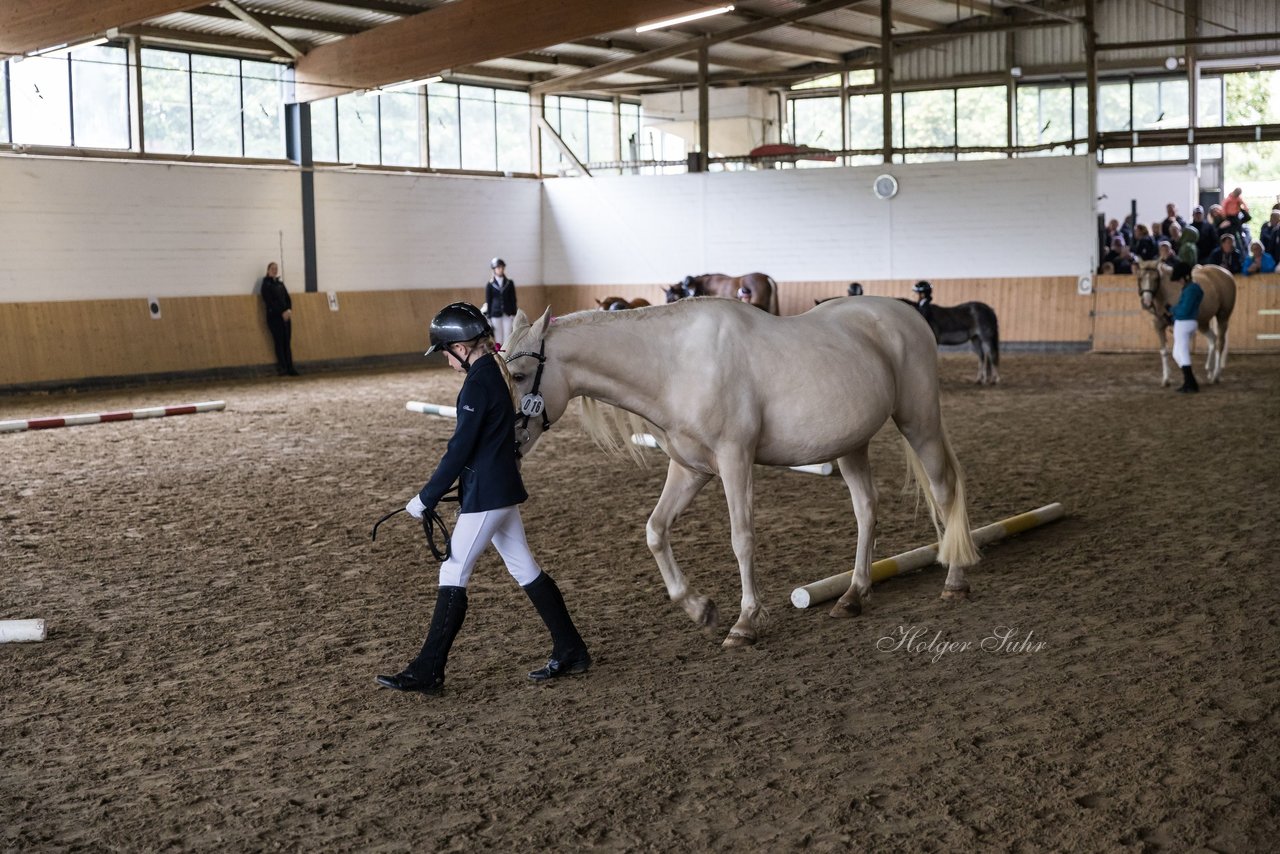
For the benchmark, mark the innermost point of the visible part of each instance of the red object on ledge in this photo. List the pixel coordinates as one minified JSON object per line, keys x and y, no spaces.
{"x":776,"y":148}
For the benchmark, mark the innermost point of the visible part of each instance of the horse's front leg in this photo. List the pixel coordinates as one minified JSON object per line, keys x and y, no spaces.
{"x":677,"y":494}
{"x":736,"y":474}
{"x":1161,"y":333}
{"x":855,"y":468}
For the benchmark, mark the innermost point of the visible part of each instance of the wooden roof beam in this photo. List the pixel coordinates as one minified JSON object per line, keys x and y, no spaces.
{"x":732,"y":34}
{"x":30,"y":25}
{"x":288,"y":21}
{"x":260,"y":28}
{"x":466,"y":33}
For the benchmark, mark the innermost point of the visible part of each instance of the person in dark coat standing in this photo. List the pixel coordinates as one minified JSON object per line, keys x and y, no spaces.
{"x":1208,"y":239}
{"x":279,"y":318}
{"x":500,"y":300}
{"x":482,"y":456}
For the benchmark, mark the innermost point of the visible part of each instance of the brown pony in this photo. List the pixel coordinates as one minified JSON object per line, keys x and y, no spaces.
{"x":763,"y":289}
{"x":1157,"y":292}
{"x":620,"y":304}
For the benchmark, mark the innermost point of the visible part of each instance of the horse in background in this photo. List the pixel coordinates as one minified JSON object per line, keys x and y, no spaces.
{"x":761,"y":288}
{"x":850,"y":366}
{"x":620,"y":304}
{"x":1158,"y":293}
{"x":974,"y":322}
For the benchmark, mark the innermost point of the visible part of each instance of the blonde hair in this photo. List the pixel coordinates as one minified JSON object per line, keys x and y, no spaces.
{"x":491,"y":346}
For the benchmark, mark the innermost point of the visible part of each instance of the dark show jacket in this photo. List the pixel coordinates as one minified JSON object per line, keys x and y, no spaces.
{"x":500,"y":296}
{"x":276,"y":296}
{"x":482,"y":451}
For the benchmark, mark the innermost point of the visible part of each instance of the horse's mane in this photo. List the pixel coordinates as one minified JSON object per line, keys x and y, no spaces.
{"x":609,"y":426}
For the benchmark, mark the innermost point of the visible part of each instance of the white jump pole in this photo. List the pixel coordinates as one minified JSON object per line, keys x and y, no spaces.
{"x":21,"y":631}
{"x":432,"y":409}
{"x":101,"y":417}
{"x":647,"y":440}
{"x":836,"y":585}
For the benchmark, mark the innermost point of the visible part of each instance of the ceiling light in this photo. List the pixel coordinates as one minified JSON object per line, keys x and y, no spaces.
{"x":671,"y":22}
{"x":1171,"y":63}
{"x":411,"y":84}
{"x":63,"y":49}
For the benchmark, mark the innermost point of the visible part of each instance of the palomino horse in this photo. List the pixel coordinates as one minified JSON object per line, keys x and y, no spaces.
{"x":1219,"y":301}
{"x":764,"y":290}
{"x":974,"y":322}
{"x":620,"y":304}
{"x":724,"y":386}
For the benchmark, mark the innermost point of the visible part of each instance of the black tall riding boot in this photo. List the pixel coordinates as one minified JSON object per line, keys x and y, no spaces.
{"x":426,"y":672}
{"x":568,"y":651}
{"x":1189,"y":384}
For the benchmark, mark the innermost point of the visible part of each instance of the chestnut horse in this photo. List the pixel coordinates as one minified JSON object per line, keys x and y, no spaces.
{"x":1158,"y":292}
{"x":620,"y":304}
{"x":705,"y":376}
{"x":764,"y":290}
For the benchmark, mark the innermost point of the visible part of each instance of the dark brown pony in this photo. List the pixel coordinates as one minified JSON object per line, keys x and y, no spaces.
{"x":620,"y":304}
{"x":763,"y":289}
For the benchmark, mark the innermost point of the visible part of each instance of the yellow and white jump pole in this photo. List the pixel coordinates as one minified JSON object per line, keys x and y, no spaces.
{"x":836,"y":585}
{"x":21,"y":631}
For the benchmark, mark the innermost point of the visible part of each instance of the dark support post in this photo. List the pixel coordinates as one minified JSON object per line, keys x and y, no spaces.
{"x":297,"y":128}
{"x":1091,"y":72}
{"x":704,"y":110}
{"x":886,"y":75}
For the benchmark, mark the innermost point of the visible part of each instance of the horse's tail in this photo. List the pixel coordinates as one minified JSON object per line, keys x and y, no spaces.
{"x":773,"y":295}
{"x":955,"y":540}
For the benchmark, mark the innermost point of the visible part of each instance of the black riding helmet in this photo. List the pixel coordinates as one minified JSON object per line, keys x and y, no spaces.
{"x":923,"y":288}
{"x":456,"y":323}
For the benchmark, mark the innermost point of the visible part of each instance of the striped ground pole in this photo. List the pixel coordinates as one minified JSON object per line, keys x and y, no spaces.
{"x":432,"y":409}
{"x":836,"y":585}
{"x":100,"y":417}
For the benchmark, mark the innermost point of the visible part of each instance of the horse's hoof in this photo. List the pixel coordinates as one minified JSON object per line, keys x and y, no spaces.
{"x":709,"y":616}
{"x":843,"y":610}
{"x":737,"y":640}
{"x":956,"y":594}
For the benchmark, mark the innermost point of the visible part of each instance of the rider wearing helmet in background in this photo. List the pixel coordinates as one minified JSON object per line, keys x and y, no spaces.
{"x":924,"y":294}
{"x":482,"y":452}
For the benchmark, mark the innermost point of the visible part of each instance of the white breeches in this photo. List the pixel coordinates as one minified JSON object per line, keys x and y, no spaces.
{"x":473,"y":533}
{"x":502,"y":328}
{"x":1183,"y":332}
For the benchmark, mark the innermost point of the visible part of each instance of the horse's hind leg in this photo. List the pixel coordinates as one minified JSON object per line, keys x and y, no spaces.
{"x":937,"y":463}
{"x":855,"y":468}
{"x":989,"y":354}
{"x":1212,"y":358}
{"x":681,"y":487}
{"x":1221,"y":361}
{"x":982,"y":362}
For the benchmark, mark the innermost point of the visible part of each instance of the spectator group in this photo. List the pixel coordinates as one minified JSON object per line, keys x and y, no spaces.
{"x":1221,"y":237}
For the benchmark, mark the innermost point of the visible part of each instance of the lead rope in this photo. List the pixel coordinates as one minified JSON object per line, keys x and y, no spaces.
{"x":432,"y":524}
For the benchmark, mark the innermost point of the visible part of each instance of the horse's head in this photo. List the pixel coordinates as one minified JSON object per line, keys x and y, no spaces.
{"x":539,"y":383}
{"x":1149,"y":276}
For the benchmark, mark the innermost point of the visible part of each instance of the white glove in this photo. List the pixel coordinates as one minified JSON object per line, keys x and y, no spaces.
{"x":415,"y":507}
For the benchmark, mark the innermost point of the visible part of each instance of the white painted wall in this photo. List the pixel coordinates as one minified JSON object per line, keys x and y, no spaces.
{"x":386,"y":231}
{"x":1152,"y":186}
{"x":102,"y":229}
{"x":1027,"y":217}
